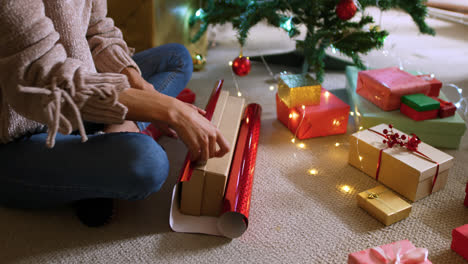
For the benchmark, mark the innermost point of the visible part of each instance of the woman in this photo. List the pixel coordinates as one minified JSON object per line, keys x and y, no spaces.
{"x":63,"y":63}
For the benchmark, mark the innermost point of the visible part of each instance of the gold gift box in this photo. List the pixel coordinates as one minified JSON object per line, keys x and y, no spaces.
{"x":403,"y":171}
{"x":384,"y":205}
{"x":299,"y":89}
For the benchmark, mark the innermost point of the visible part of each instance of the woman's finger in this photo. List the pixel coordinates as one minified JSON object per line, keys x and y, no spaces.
{"x":223,"y":145}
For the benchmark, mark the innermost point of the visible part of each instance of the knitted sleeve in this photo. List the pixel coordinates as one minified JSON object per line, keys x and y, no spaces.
{"x":38,"y":80}
{"x":110,"y":52}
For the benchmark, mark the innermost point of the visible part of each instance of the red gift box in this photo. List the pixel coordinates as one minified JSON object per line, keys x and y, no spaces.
{"x":418,"y":115}
{"x":435,"y":84}
{"x":330,"y":117}
{"x":460,"y":241}
{"x":384,"y":87}
{"x":446,"y":108}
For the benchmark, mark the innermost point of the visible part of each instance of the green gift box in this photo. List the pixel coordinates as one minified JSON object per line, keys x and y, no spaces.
{"x":440,"y":132}
{"x":420,"y":102}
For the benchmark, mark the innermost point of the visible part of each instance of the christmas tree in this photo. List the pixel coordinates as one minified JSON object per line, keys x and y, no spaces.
{"x":328,"y":23}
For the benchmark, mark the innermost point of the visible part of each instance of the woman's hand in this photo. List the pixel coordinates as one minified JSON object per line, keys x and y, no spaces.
{"x":199,"y":134}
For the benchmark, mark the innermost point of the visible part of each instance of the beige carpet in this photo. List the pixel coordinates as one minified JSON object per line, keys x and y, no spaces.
{"x":295,"y":217}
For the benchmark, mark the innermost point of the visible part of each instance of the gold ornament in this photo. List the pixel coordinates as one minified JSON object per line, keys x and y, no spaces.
{"x":199,"y":62}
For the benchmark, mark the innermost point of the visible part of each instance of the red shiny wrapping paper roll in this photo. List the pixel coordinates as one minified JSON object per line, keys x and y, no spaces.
{"x":233,"y":221}
{"x":239,"y":187}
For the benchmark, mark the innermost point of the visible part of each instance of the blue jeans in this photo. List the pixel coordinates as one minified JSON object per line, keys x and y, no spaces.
{"x":117,"y":165}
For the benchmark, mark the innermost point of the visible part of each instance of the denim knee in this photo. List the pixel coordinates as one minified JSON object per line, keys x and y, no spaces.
{"x":185,"y":65}
{"x":149,"y":168}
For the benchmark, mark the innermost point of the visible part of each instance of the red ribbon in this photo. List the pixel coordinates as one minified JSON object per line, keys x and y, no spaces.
{"x":413,"y":149}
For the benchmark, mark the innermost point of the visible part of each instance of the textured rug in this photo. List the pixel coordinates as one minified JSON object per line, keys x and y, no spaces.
{"x":295,"y":217}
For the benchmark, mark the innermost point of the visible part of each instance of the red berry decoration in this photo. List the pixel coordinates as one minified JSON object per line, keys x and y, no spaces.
{"x":346,"y":9}
{"x":241,"y":66}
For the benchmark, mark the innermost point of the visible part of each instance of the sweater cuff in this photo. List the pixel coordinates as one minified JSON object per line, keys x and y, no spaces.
{"x":102,"y":105}
{"x":114,"y":59}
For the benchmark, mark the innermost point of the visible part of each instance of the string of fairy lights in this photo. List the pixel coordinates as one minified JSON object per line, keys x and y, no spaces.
{"x":287,"y":25}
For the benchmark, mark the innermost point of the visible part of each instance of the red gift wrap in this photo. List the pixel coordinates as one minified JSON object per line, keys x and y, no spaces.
{"x":402,"y":250}
{"x":330,"y":117}
{"x":384,"y":87}
{"x":435,"y":84}
{"x":446,"y":108}
{"x":236,"y":203}
{"x":460,"y":241}
{"x":418,"y":115}
{"x":466,"y":197}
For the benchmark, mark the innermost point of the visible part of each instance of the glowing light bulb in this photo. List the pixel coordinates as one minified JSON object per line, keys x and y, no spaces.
{"x":230,"y":63}
{"x":199,"y":12}
{"x":272,"y":88}
{"x":290,"y":116}
{"x":239,"y":94}
{"x":361,"y":128}
{"x":303,"y":107}
{"x":358,"y":114}
{"x":313,"y":172}
{"x":287,"y":25}
{"x":247,"y":120}
{"x":337,"y":144}
{"x":345,"y":188}
{"x":327,"y":94}
{"x":351,"y":113}
{"x":302,"y":145}
{"x":293,"y":140}
{"x":360,"y":158}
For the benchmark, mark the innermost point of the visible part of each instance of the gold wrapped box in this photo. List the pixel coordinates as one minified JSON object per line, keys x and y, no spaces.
{"x":299,"y":89}
{"x":406,"y":172}
{"x":384,"y":205}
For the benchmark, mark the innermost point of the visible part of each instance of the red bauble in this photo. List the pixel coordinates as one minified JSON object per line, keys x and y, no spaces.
{"x":241,"y":66}
{"x":346,"y":9}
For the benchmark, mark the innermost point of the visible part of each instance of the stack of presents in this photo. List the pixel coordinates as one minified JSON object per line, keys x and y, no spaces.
{"x":401,"y":119}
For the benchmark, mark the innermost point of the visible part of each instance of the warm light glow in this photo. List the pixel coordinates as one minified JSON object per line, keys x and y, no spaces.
{"x":327,"y":94}
{"x":294,"y":115}
{"x":360,"y":158}
{"x":302,"y":145}
{"x":230,"y":63}
{"x":361,"y":128}
{"x":290,"y":116}
{"x":345,"y":188}
{"x":199,"y":12}
{"x":272,"y":88}
{"x":337,"y":144}
{"x":313,"y":172}
{"x":351,"y":113}
{"x":247,"y":120}
{"x":358,"y":114}
{"x":293,"y":140}
{"x":239,"y":94}
{"x":303,"y":107}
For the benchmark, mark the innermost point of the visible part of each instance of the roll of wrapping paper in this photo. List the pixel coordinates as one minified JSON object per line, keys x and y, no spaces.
{"x":239,"y":188}
{"x":233,"y":221}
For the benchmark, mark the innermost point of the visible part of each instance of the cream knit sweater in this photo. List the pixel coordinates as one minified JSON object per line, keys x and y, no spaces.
{"x":59,"y":61}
